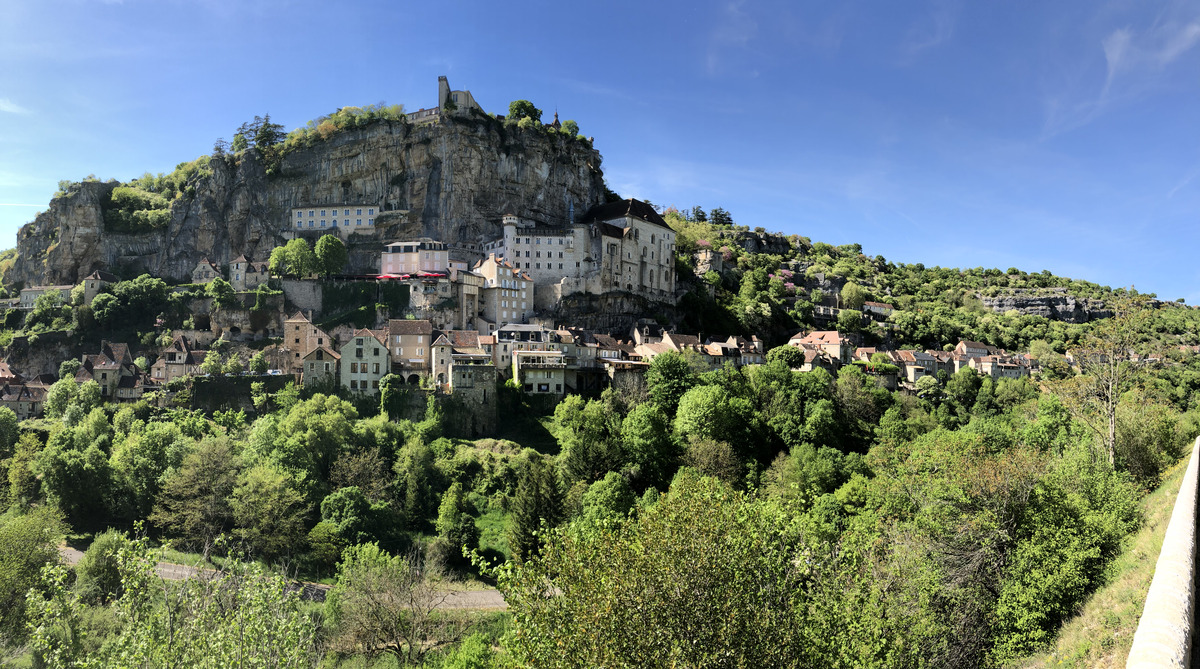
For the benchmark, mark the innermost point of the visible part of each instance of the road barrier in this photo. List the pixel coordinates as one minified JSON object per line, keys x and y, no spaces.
{"x":1164,"y":633}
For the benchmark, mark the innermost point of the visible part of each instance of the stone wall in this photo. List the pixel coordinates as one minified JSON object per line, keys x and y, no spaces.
{"x":303,"y":295}
{"x":1164,"y":633}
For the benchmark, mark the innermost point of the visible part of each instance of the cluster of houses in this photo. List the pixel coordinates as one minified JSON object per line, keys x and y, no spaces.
{"x":831,"y":350}
{"x":112,"y":368}
{"x":542,"y":360}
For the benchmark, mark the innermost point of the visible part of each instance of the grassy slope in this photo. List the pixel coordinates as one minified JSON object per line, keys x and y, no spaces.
{"x":1101,"y":634}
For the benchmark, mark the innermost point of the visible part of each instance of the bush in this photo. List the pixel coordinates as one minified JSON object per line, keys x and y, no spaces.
{"x":98,"y":574}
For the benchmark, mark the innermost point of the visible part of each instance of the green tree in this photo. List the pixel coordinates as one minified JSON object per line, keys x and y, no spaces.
{"x":712,"y":577}
{"x":90,"y":395}
{"x":50,"y":312}
{"x":608,"y":499}
{"x":299,"y":258}
{"x":668,"y":377}
{"x":221,"y":292}
{"x":853,"y":296}
{"x":189,"y":625}
{"x":382,"y":602}
{"x":10,"y":431}
{"x":68,"y":368}
{"x":212,"y":363}
{"x":646,"y":433}
{"x":60,"y":396}
{"x":520,"y":109}
{"x":455,"y":525}
{"x":538,"y":501}
{"x":98,"y":573}
{"x":193,"y":505}
{"x":330,"y":255}
{"x":28,"y":542}
{"x":570,"y":128}
{"x":791,"y":357}
{"x":1107,"y":370}
{"x":233,"y":365}
{"x":258,"y":363}
{"x":270,"y":513}
{"x":76,"y":478}
{"x":849,"y":321}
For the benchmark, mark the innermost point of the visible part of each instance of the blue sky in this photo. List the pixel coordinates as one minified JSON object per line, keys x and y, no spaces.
{"x":1061,"y":136}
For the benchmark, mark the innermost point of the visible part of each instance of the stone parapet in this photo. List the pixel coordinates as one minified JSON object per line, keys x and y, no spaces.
{"x":1164,"y":633}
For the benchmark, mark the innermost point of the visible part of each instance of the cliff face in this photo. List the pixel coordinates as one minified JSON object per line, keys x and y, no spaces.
{"x":1060,"y":307}
{"x":451,"y":180}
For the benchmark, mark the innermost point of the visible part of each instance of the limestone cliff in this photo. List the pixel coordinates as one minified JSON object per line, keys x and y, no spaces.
{"x":450,"y":179}
{"x":1055,"y":306}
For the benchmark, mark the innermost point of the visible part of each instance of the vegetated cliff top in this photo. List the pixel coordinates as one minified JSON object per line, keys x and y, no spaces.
{"x":756,"y":282}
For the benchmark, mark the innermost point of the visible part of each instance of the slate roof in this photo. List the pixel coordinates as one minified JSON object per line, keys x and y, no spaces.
{"x":403,"y":326}
{"x":631,"y":207}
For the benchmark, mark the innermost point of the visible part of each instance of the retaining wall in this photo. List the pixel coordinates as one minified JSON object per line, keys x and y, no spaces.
{"x":1164,"y":633}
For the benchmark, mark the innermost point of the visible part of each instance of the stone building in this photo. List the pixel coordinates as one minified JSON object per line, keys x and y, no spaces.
{"x":320,"y":366}
{"x":620,"y":246}
{"x":410,"y":346}
{"x":179,"y":359}
{"x":507,"y":294}
{"x":335,"y":219}
{"x":205,"y":271}
{"x":301,"y":337}
{"x":364,"y":361}
{"x":96,"y":282}
{"x":245,"y":274}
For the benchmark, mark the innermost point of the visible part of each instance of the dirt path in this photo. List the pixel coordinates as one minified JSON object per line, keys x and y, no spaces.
{"x":487,"y":599}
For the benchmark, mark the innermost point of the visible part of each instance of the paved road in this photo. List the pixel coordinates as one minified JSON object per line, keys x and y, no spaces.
{"x":455,"y":599}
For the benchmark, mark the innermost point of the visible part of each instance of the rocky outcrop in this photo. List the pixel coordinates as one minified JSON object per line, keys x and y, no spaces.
{"x":1061,"y":306}
{"x":614,"y":312}
{"x":450,"y":179}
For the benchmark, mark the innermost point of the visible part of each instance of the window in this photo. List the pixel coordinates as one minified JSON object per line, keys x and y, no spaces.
{"x":420,"y":352}
{"x":358,"y":212}
{"x":354,"y":368}
{"x":560,"y":265}
{"x":335,"y":222}
{"x":376,"y":369}
{"x":311,"y":212}
{"x":322,"y":223}
{"x":353,"y":384}
{"x":370,"y":221}
{"x":539,"y":240}
{"x":346,"y":212}
{"x":322,"y":212}
{"x":310,"y":224}
{"x":560,"y":254}
{"x":375,"y":384}
{"x":539,"y":254}
{"x":537,"y":265}
{"x":299,"y":214}
{"x":358,"y":221}
{"x":371,"y":212}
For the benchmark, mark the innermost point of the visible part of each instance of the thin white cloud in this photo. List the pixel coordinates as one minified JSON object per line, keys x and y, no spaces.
{"x":11,"y":107}
{"x":734,"y":30}
{"x":1133,"y":58}
{"x":931,"y":31}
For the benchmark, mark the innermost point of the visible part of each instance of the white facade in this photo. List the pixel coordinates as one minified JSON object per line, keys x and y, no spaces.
{"x":340,"y":220}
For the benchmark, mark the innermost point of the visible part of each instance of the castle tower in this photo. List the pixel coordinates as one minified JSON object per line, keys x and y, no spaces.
{"x":443,"y":92}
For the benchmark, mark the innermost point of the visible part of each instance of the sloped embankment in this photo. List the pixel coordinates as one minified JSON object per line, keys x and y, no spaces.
{"x":1101,"y":634}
